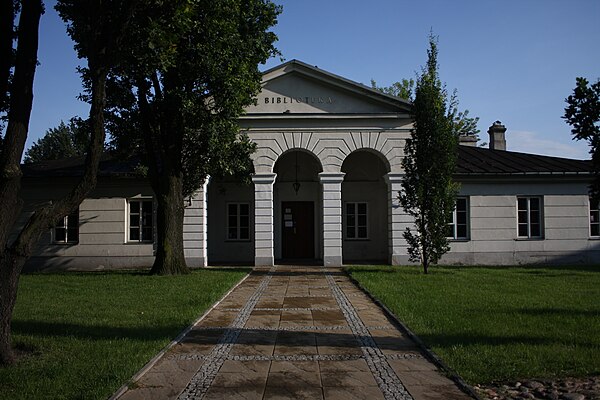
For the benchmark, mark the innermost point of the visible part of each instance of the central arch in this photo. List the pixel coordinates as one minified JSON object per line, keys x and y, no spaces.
{"x":297,"y":213}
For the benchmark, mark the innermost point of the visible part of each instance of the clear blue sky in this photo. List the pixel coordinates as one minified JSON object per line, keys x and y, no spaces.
{"x":511,"y":60}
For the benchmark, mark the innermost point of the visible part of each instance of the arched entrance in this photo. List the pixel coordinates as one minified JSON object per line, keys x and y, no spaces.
{"x":297,"y":207}
{"x":364,"y":208}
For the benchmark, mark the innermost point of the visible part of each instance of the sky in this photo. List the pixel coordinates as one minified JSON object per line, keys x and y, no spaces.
{"x":512,"y":60}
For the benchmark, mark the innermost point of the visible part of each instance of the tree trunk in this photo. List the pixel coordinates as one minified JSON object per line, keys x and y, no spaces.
{"x":170,"y":258}
{"x":10,"y":170}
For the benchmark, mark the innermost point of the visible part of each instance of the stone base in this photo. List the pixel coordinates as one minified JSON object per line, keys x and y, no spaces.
{"x":264,"y":261}
{"x":332,"y":261}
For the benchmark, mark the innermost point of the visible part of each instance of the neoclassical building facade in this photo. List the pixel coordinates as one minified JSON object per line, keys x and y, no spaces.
{"x":325,"y":187}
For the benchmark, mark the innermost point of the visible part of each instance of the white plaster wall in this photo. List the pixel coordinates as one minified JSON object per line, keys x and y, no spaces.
{"x":493,"y":219}
{"x":220,"y":249}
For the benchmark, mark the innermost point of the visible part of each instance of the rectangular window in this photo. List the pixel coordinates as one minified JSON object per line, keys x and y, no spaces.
{"x":594,"y":218}
{"x":66,"y":229}
{"x":238,"y":221}
{"x":356,"y":221}
{"x":459,"y":227}
{"x":529,"y":211}
{"x":140,"y":221}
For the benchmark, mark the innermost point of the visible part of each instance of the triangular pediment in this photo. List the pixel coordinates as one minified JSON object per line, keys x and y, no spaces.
{"x":298,"y":88}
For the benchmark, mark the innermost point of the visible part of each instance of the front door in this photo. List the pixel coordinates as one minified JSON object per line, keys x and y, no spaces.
{"x":298,"y":239}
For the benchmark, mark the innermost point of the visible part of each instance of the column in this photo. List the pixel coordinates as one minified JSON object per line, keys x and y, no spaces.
{"x":195,"y":228}
{"x":263,"y":219}
{"x":398,"y":221}
{"x":332,"y":218}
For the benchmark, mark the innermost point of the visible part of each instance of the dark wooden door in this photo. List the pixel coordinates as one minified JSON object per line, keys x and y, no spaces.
{"x":298,"y":233}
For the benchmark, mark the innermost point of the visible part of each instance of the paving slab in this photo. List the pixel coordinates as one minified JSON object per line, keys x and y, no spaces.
{"x":294,"y":332}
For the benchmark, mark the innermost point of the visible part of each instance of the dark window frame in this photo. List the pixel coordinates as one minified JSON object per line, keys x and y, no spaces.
{"x":594,"y":218}
{"x":140,"y":220}
{"x":69,"y":226}
{"x":457,"y":229}
{"x":238,"y":222}
{"x":354,"y":229}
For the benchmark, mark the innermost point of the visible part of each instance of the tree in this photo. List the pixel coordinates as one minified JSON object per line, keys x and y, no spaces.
{"x":430,"y":158}
{"x":463,"y":124}
{"x":96,"y":27}
{"x":583,"y":114}
{"x":193,"y":68}
{"x":64,"y":141}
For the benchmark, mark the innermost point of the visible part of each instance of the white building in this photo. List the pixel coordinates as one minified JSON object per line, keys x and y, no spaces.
{"x":327,"y":177}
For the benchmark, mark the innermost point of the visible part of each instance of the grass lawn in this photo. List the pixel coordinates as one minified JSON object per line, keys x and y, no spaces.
{"x":89,"y":333}
{"x":498,"y":323}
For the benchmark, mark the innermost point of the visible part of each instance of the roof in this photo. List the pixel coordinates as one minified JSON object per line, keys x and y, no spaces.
{"x":70,"y":167}
{"x":472,"y":161}
{"x":482,"y":161}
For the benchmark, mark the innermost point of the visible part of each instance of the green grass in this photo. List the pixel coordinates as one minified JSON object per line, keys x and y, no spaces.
{"x":498,"y":323}
{"x":87,"y":334}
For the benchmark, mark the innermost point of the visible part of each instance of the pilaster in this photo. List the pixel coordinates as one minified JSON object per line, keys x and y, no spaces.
{"x":398,"y":221}
{"x":332,"y":218}
{"x":195,"y":228}
{"x":263,"y":219}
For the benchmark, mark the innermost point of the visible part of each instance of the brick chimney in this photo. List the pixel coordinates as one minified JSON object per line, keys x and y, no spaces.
{"x":497,"y":138}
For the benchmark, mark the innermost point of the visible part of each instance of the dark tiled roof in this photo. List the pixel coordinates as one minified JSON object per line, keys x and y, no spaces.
{"x":471,"y":161}
{"x":74,"y":167}
{"x":481,"y":161}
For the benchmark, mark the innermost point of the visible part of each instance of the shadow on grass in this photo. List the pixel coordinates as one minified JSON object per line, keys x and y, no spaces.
{"x":95,"y":332}
{"x":543,"y":312}
{"x":451,"y":341}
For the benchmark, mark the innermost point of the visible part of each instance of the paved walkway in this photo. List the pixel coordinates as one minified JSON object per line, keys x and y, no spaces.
{"x":294,"y":333}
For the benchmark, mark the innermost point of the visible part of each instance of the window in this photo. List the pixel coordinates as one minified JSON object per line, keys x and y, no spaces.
{"x":356,"y":221}
{"x":529,"y":217}
{"x":66,"y":229}
{"x":458,"y":228}
{"x":238,"y":221}
{"x":140,"y":221}
{"x":594,"y":218}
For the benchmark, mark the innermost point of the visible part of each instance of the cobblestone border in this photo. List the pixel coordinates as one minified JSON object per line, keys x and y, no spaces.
{"x":386,"y":378}
{"x":201,"y":381}
{"x":299,"y":357}
{"x":429,"y":354}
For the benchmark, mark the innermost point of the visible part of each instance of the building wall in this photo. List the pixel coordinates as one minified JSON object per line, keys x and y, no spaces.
{"x":493,"y":225}
{"x":220,"y":249}
{"x":103,"y":223}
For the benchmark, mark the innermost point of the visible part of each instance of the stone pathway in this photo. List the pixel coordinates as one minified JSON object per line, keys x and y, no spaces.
{"x":294,"y":333}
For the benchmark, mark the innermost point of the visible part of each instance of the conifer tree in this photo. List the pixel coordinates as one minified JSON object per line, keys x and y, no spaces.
{"x":429,"y":160}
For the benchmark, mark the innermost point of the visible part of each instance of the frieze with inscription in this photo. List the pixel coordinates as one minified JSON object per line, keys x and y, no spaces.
{"x":298,"y":99}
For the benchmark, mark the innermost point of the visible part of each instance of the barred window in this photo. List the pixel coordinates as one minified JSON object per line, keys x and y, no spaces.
{"x":66,"y":229}
{"x":529,"y":211}
{"x":458,"y":228}
{"x":238,"y":221}
{"x":356,"y":221}
{"x":140,"y":221}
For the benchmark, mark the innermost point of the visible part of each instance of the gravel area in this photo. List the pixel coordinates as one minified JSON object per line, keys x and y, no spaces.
{"x":560,"y":389}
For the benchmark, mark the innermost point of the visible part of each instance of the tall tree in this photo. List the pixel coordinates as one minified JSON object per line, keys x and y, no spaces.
{"x":193,"y":69}
{"x":96,"y":26}
{"x":429,"y":160}
{"x":583,"y":114}
{"x":63,"y":141}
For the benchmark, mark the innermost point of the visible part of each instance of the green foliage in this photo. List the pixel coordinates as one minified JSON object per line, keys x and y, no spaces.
{"x":85,"y":334}
{"x":61,"y":142}
{"x":403,"y":89}
{"x":499,"y":322}
{"x":463,"y":124}
{"x":429,"y":160}
{"x":193,"y":68}
{"x":583,"y":114}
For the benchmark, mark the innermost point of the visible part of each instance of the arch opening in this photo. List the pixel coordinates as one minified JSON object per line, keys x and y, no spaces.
{"x":364,"y":208}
